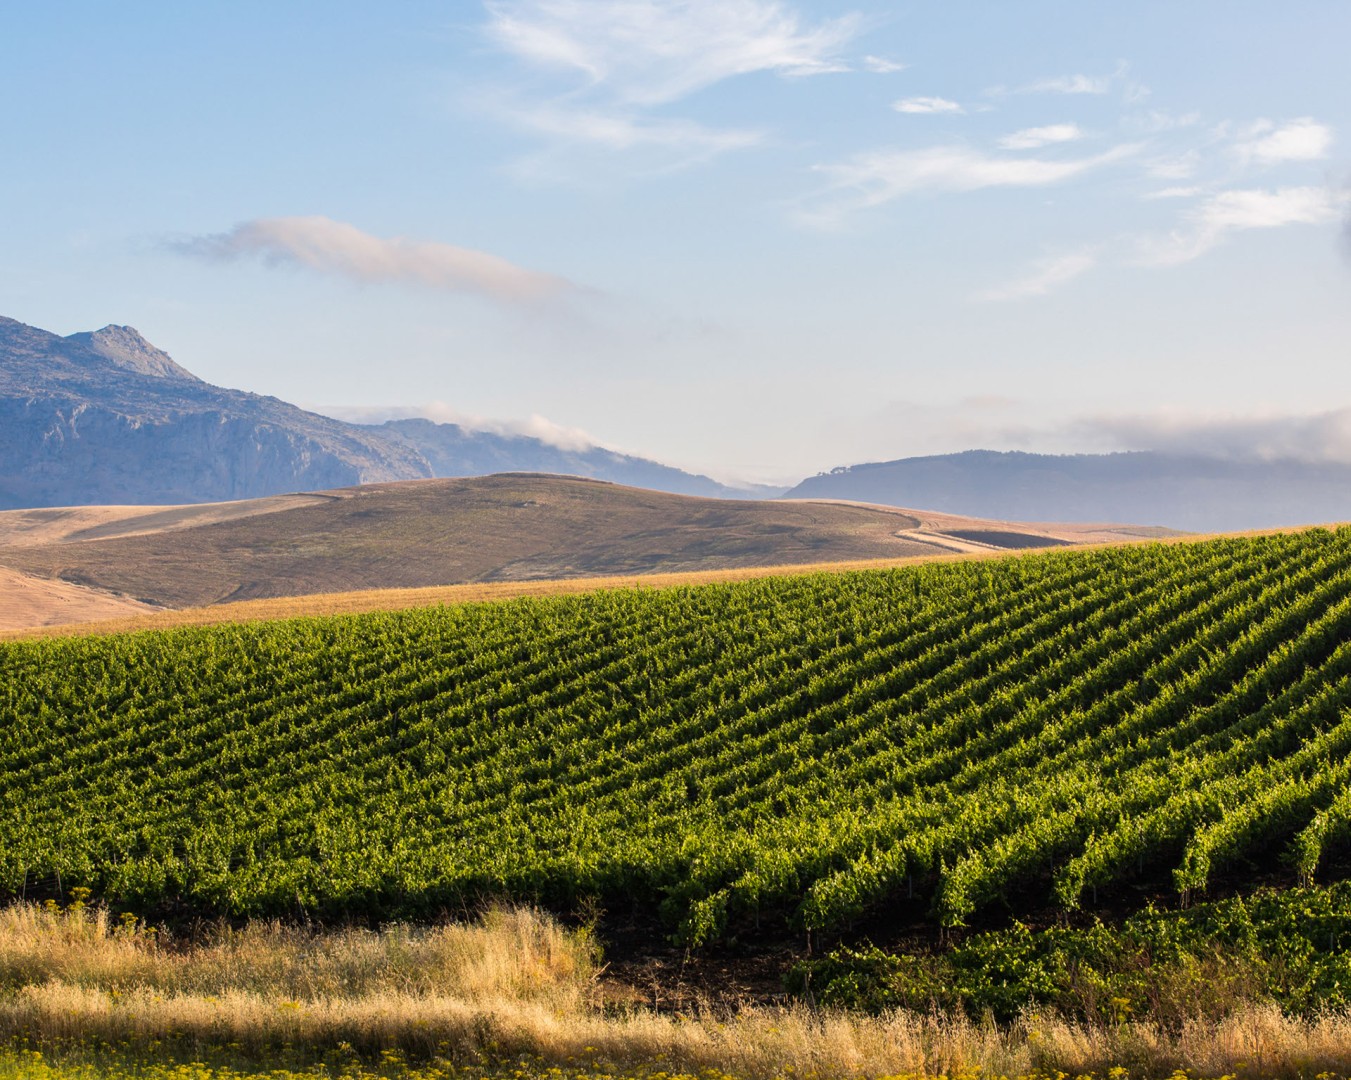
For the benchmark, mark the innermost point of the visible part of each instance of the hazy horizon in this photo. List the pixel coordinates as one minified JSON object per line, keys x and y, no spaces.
{"x":751,"y":239}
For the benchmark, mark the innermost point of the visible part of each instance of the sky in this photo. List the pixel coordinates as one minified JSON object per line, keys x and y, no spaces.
{"x":753,"y":238}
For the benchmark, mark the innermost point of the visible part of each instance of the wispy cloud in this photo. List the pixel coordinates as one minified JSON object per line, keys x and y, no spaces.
{"x":1079,"y":83}
{"x":1069,"y":84}
{"x":1036,"y":425}
{"x":534,"y":426}
{"x":334,"y":247}
{"x":1179,"y":192}
{"x":1043,"y":277}
{"x":1265,"y":143}
{"x":880,"y":65}
{"x":1159,"y":120}
{"x":1322,"y":437}
{"x":619,"y":132}
{"x":622,"y":59}
{"x":871,"y":179}
{"x":1207,"y":224}
{"x":925,"y":105}
{"x":1178,"y":166}
{"x":1035,"y":137}
{"x":653,"y":52}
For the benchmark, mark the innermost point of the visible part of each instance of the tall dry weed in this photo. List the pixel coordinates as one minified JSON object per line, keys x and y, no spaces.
{"x":511,"y":953}
{"x":516,"y":982}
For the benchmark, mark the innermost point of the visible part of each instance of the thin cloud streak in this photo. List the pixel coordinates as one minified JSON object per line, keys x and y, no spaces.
{"x":1036,"y":137}
{"x":880,"y":65}
{"x":623,"y":58}
{"x":872,"y":179}
{"x":1045,"y":276}
{"x":535,"y":426}
{"x":1069,"y":84}
{"x":532,"y":427}
{"x":334,"y":247}
{"x":618,"y":132}
{"x":1314,"y":438}
{"x":1232,"y":211}
{"x":925,"y":105}
{"x":647,"y":53}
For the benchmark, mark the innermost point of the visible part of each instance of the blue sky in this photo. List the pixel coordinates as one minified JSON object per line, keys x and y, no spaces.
{"x":758,"y":239}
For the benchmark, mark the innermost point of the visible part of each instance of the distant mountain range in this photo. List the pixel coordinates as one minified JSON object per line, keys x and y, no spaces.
{"x":105,"y":417}
{"x":1146,"y":488}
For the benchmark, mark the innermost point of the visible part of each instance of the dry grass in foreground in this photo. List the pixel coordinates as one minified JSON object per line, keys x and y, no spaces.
{"x":517,"y":983}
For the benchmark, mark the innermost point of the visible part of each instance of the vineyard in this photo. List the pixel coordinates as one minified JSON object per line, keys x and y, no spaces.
{"x":801,"y":749}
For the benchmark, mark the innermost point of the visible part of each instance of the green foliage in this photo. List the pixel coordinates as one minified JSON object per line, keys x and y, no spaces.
{"x":799,"y":748}
{"x":1292,"y":946}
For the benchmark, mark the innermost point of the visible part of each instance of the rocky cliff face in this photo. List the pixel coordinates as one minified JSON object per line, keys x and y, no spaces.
{"x":81,"y":453}
{"x":105,"y":417}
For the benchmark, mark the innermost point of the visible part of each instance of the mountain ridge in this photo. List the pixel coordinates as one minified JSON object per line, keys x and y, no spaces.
{"x":104,"y":416}
{"x":1182,"y":491}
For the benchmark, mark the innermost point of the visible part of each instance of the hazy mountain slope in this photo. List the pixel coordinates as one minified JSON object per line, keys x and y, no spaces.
{"x":1195,"y":493}
{"x":105,"y":417}
{"x":452,"y":450}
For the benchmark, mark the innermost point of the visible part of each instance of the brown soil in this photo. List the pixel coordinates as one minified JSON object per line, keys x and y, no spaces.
{"x":479,"y":538}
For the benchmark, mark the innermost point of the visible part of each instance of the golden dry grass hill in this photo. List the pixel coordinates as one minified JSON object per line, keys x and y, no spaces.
{"x":72,"y":564}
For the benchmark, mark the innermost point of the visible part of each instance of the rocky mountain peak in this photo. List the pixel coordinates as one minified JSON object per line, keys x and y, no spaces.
{"x":125,"y":348}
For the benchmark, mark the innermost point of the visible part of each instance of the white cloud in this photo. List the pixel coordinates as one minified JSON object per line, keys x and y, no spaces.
{"x":1044,"y":276}
{"x":1069,"y":84}
{"x":620,"y":132}
{"x":1304,"y":139}
{"x":880,"y":65}
{"x":1035,"y":137}
{"x":1312,"y":437}
{"x":1180,"y":167}
{"x":1033,"y":424}
{"x":624,"y":58}
{"x":1083,"y":84}
{"x":1258,"y":209}
{"x":1231,"y":211}
{"x":1160,"y":120}
{"x":653,"y":52}
{"x":334,"y":247}
{"x":535,"y":426}
{"x":1175,"y":193}
{"x":924,"y":105}
{"x":881,"y":176}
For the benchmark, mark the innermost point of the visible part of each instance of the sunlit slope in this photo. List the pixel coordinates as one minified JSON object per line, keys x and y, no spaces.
{"x":441,"y":532}
{"x":1037,"y":729}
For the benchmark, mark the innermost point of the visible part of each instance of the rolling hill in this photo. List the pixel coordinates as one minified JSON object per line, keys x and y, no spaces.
{"x":505,"y":528}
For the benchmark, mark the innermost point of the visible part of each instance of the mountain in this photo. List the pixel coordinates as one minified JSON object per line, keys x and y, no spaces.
{"x":1182,"y":492}
{"x":106,"y":417}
